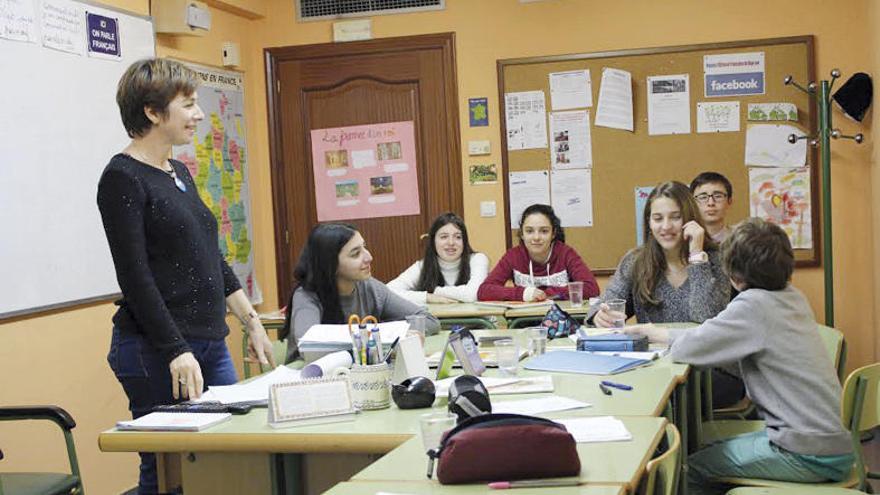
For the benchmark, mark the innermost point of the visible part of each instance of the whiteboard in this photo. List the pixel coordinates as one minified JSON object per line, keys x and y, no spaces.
{"x":59,"y":127}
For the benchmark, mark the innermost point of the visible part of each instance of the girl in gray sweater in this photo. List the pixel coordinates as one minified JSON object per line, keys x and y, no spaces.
{"x":768,"y":332}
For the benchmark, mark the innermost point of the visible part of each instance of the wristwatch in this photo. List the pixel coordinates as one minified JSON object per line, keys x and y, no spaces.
{"x":698,"y":258}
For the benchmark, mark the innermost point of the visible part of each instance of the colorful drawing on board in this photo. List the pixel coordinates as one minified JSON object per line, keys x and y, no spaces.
{"x":478,"y":109}
{"x":347,"y":189}
{"x":483,"y":174}
{"x":381,"y":185}
{"x":389,"y":151}
{"x":641,"y":194}
{"x":782,"y":196}
{"x":336,"y":159}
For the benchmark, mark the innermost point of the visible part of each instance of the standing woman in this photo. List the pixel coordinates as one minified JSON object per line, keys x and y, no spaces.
{"x":676,"y":275}
{"x":334,"y":281}
{"x":169,"y":331}
{"x":541,"y":266}
{"x":450,"y":271}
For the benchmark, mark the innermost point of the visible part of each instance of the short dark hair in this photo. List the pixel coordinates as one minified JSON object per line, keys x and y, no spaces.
{"x":710,"y":177}
{"x":151,"y":83}
{"x":758,"y":254}
{"x":547,"y":211}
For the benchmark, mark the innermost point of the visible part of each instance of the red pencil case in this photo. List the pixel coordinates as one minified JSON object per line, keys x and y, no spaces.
{"x":505,"y":447}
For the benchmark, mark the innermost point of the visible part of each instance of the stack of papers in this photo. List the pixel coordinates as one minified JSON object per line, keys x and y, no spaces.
{"x":540,"y":405}
{"x":332,"y":338}
{"x":596,"y":429}
{"x":503,"y":386}
{"x":254,"y":390}
{"x":174,"y":421}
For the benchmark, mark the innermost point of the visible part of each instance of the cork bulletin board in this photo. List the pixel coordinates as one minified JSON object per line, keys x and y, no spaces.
{"x":623,"y":160}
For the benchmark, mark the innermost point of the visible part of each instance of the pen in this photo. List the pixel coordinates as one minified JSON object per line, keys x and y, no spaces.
{"x":620,"y":386}
{"x":502,"y":485}
{"x":391,"y":350}
{"x":605,"y":390}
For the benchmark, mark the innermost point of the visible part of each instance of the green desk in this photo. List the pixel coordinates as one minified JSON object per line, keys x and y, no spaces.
{"x":419,"y":488}
{"x":239,"y":456}
{"x":469,"y":313}
{"x":519,"y":317}
{"x":606,"y":463}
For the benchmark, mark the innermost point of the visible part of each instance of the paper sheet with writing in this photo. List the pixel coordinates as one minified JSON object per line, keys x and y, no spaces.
{"x":722,"y":116}
{"x":256,"y":389}
{"x":572,"y":196}
{"x":596,"y":429}
{"x":540,"y":405}
{"x":570,"y":89}
{"x":767,"y":146}
{"x":669,"y":109}
{"x":526,"y":117}
{"x":571,"y":145}
{"x":615,"y":107}
{"x":18,"y":20}
{"x":526,"y":189}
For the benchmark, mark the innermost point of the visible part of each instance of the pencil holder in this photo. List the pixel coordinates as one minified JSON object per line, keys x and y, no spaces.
{"x":370,"y":385}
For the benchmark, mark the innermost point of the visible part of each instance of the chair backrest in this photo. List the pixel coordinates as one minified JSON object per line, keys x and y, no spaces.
{"x":859,"y":402}
{"x":661,"y":473}
{"x":836,"y":347}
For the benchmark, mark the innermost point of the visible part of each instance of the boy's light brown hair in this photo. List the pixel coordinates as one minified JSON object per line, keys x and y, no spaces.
{"x":151,"y":83}
{"x":759,"y":255}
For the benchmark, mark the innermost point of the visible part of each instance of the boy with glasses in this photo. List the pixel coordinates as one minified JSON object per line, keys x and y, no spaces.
{"x":714,"y":196}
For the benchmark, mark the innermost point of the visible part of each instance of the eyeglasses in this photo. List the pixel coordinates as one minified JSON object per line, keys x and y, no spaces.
{"x":718,"y":196}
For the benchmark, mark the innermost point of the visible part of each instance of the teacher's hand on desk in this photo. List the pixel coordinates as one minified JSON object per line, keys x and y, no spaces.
{"x":186,"y":377}
{"x":435,"y":299}
{"x":259,"y":345}
{"x":605,"y":318}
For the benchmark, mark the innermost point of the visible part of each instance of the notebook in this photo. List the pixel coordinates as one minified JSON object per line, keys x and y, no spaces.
{"x":582,"y":362}
{"x":174,"y":421}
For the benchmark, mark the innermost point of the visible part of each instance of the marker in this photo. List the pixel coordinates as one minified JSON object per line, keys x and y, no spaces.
{"x":605,"y":390}
{"x":619,"y":386}
{"x":503,"y":485}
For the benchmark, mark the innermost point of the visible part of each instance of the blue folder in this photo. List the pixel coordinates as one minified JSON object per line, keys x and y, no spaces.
{"x":582,"y":362}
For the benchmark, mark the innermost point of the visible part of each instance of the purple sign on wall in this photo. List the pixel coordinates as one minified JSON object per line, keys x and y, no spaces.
{"x":103,"y":35}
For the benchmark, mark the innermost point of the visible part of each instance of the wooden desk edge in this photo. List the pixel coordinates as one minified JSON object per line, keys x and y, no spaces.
{"x":305,"y":443}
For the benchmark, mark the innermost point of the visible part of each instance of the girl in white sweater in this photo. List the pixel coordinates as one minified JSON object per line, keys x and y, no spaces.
{"x":450,"y":272}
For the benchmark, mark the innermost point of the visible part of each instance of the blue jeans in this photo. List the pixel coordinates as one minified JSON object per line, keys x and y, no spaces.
{"x":751,"y":455}
{"x":146,"y":379}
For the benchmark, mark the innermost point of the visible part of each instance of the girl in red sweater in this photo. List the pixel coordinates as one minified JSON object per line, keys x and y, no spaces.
{"x":541,"y":266}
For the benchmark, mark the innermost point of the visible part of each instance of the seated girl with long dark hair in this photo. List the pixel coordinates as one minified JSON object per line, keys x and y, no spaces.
{"x":334,"y":281}
{"x":450,"y":271}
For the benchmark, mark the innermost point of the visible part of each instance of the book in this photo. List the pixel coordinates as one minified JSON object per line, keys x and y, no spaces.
{"x":583,"y":362}
{"x":613,"y":342}
{"x":174,"y":421}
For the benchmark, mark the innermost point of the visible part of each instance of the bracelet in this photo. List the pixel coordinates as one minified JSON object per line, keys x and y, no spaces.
{"x":250,"y":315}
{"x":698,"y":258}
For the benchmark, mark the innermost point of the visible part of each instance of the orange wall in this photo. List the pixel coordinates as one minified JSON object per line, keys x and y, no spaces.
{"x":60,"y":358}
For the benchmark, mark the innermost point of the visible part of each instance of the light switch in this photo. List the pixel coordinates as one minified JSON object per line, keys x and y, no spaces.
{"x":476,"y":148}
{"x":487,"y":208}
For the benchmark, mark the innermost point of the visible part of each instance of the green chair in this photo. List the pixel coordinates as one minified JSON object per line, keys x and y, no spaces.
{"x":860,"y":411}
{"x":661,"y":473}
{"x":43,"y":483}
{"x":713,"y":429}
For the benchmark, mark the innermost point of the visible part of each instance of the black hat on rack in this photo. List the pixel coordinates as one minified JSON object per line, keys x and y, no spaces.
{"x":854,"y":97}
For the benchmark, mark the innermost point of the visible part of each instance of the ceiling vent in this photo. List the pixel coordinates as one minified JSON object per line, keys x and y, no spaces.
{"x":314,"y":10}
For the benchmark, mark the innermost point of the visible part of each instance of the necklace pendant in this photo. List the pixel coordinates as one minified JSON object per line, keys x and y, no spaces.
{"x":179,"y":183}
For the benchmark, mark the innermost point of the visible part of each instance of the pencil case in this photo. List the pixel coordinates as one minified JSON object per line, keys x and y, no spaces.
{"x":504,"y":447}
{"x":613,"y":342}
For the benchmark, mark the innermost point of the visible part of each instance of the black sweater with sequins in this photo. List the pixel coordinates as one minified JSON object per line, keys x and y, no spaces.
{"x":173,"y":277}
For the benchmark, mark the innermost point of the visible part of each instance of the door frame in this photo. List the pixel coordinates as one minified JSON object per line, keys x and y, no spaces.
{"x":445,"y":42}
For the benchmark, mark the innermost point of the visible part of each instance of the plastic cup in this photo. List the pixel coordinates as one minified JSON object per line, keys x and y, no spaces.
{"x":537,"y":341}
{"x":618,"y":308}
{"x":507,"y":355}
{"x":417,"y":325}
{"x":433,"y":425}
{"x":576,"y":294}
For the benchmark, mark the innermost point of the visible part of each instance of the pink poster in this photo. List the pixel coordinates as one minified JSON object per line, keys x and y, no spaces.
{"x":365,"y":171}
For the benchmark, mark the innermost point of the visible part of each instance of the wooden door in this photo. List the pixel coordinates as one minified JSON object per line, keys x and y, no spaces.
{"x":368,"y":82}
